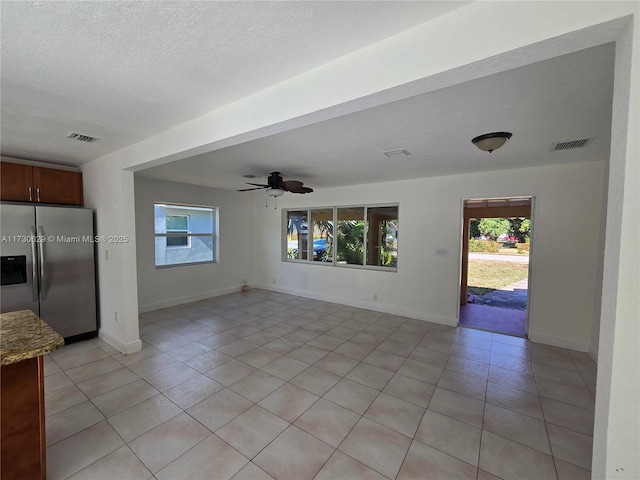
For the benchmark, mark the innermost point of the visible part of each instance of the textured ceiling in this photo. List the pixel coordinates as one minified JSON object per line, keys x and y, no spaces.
{"x":561,"y":99}
{"x":125,"y":71}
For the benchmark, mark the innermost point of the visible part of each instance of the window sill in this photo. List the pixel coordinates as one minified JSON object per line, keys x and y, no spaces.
{"x":343,"y":265}
{"x":160,"y":267}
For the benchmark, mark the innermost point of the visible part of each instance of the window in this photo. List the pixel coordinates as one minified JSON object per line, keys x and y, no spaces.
{"x":322,"y":225}
{"x":350,"y":236}
{"x":178,"y":224}
{"x":359,"y":236}
{"x":297,"y":234}
{"x":382,"y":236}
{"x":184,"y":234}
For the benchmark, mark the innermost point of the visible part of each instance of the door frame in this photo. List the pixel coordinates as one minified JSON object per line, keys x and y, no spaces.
{"x":507,"y":211}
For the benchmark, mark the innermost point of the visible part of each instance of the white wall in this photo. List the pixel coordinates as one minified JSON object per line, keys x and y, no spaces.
{"x":597,"y":304}
{"x":616,"y":439}
{"x":567,"y":248}
{"x":109,"y":191}
{"x":163,"y":287}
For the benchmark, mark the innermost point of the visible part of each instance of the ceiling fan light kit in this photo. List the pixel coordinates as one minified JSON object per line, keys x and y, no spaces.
{"x":275,"y":192}
{"x":491,"y":141}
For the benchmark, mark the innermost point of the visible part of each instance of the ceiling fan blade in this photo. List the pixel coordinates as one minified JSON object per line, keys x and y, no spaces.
{"x":295,"y":186}
{"x":256,"y":188}
{"x":301,"y":190}
{"x":290,"y":184}
{"x":257,"y":184}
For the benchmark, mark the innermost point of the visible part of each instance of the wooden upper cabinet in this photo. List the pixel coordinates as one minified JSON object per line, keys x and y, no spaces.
{"x":16,"y":182}
{"x":57,"y":186}
{"x":24,"y":183}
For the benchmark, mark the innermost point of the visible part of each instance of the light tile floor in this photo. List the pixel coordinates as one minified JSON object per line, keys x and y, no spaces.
{"x":263,"y":385}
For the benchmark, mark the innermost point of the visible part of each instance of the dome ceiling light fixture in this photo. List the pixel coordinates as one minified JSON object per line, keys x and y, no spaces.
{"x":275,"y":192}
{"x":491,"y":141}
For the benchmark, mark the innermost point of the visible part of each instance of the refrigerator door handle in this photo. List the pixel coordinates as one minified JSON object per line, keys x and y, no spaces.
{"x":43,"y":285}
{"x":34,"y":266}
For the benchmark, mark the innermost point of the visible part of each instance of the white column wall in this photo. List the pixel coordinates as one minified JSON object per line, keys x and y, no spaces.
{"x":110,"y":192}
{"x":617,"y":420}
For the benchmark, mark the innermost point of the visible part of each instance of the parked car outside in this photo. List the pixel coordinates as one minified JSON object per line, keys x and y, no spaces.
{"x":319,"y":249}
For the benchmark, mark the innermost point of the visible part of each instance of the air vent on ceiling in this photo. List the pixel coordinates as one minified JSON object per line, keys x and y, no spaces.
{"x":81,"y":138}
{"x":403,"y":152}
{"x":571,"y":144}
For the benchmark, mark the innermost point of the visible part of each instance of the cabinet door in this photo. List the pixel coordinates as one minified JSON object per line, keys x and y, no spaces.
{"x":16,"y":182}
{"x":23,"y":443}
{"x":57,"y":186}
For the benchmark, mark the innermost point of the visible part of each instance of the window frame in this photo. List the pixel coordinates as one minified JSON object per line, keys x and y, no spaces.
{"x":304,"y":233}
{"x":334,"y":246}
{"x":369,"y":234}
{"x":214,"y":211}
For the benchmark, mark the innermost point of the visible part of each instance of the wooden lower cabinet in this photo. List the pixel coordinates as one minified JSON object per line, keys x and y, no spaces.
{"x":22,"y":424}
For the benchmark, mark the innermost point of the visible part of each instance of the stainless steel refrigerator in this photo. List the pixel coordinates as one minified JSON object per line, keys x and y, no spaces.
{"x":48,"y":266}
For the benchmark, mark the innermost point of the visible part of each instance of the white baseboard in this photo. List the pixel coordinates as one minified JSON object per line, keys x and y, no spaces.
{"x":171,"y":302}
{"x":123,"y":347}
{"x":563,"y":342}
{"x":369,"y":305}
{"x":593,"y":353}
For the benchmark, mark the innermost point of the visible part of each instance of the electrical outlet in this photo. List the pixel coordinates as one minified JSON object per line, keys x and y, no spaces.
{"x":442,"y":252}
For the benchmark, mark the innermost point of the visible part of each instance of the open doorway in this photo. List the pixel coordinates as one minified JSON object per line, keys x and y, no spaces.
{"x":494,"y":289}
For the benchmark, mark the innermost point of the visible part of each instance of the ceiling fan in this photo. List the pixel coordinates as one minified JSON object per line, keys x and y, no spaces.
{"x":277,"y":186}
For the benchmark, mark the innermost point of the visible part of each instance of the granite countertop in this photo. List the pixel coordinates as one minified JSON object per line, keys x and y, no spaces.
{"x":24,"y":335}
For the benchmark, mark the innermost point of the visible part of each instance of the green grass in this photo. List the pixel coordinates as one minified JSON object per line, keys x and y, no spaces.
{"x":486,"y":276}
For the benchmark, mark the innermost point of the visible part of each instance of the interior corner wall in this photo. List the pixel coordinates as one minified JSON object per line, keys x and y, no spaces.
{"x":567,"y":250}
{"x":163,"y":287}
{"x":594,"y":344}
{"x":109,"y":191}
